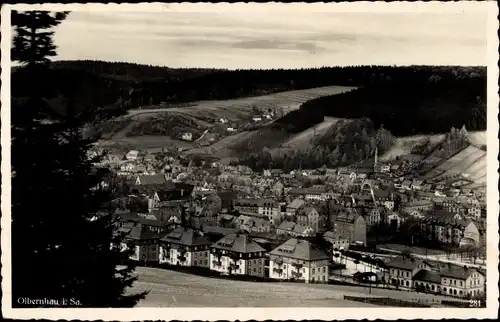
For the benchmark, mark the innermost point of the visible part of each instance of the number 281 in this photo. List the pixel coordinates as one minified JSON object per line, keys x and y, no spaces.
{"x":475,"y":303}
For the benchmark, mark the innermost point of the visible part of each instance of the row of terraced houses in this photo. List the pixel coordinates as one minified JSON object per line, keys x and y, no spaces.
{"x":296,"y":259}
{"x":234,"y":254}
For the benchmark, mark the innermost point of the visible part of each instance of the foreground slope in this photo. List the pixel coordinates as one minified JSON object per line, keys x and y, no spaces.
{"x":175,"y":289}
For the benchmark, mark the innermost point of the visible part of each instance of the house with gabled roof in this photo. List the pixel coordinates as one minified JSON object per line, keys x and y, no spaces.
{"x":462,"y":281}
{"x":374,"y":216}
{"x":292,"y":229}
{"x":417,"y":184}
{"x":401,"y":271}
{"x":238,"y":254}
{"x":184,"y":247}
{"x":139,"y":240}
{"x":298,"y":259}
{"x":247,"y":205}
{"x":152,"y":222}
{"x":352,"y":226}
{"x":132,"y":155}
{"x":471,"y":234}
{"x":406,"y":184}
{"x":420,"y":205}
{"x":312,"y":193}
{"x":269,"y":208}
{"x":338,"y":241}
{"x":309,"y":217}
{"x":293,"y":207}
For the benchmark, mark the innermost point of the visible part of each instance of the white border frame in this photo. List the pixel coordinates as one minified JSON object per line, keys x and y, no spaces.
{"x":265,"y":313}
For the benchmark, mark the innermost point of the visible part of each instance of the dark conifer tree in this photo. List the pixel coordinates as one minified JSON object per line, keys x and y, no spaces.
{"x":61,"y":227}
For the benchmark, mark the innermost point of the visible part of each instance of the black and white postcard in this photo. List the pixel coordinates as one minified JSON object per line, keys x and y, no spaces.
{"x":250,"y":161}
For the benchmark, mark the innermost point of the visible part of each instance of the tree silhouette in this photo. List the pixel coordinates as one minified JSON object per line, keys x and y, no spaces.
{"x":33,"y":43}
{"x":62,"y":227}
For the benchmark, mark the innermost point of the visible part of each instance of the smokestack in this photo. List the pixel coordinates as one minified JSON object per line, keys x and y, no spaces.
{"x":183,"y":216}
{"x":245,"y":242}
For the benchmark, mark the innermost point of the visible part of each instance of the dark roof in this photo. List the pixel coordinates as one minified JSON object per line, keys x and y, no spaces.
{"x":184,"y":236}
{"x":457,"y":272}
{"x":261,"y":235}
{"x":219,"y":230}
{"x":382,"y":193}
{"x":364,"y":274}
{"x":305,"y":191}
{"x":238,"y":243}
{"x":332,"y":235}
{"x":247,"y":202}
{"x":137,"y":231}
{"x":293,"y":227}
{"x":262,"y":202}
{"x":299,"y":249}
{"x":427,"y":276}
{"x":152,"y":179}
{"x":347,"y":217}
{"x":405,"y":264}
{"x":175,"y":192}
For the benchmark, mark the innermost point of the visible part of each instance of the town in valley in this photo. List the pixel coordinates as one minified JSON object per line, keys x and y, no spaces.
{"x":209,"y":156}
{"x":371,"y":225}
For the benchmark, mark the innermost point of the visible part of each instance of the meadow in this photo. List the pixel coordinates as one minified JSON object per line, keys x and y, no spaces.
{"x":234,"y":110}
{"x":175,"y":289}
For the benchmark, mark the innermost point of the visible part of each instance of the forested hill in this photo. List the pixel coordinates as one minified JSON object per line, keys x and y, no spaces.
{"x":122,"y":85}
{"x":130,"y":72}
{"x":431,"y":103}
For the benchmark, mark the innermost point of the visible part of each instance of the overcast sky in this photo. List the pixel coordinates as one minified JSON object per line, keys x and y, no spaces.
{"x":234,"y":37}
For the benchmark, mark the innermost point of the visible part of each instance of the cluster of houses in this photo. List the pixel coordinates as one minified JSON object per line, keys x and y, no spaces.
{"x":233,"y":254}
{"x":169,"y":193}
{"x":346,"y":202}
{"x":423,"y":276}
{"x":295,"y":259}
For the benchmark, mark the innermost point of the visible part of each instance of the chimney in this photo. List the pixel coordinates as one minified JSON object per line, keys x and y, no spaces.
{"x":183,"y":216}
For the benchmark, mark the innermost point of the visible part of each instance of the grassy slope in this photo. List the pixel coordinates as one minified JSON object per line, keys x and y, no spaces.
{"x":404,"y":145}
{"x":303,"y":140}
{"x":235,"y":110}
{"x":174,"y":289}
{"x":470,"y":163}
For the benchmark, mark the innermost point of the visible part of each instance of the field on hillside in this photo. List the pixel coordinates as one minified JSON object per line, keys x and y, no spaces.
{"x":233,"y":110}
{"x":175,"y":289}
{"x":303,"y":139}
{"x":244,"y":143}
{"x":404,"y":145}
{"x":242,"y":107}
{"x":469,"y":163}
{"x":222,"y":148}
